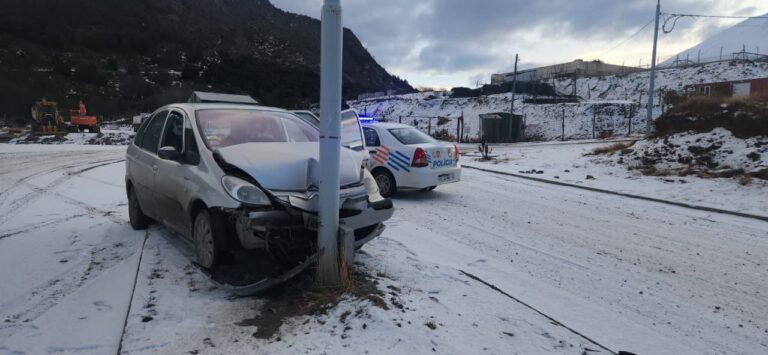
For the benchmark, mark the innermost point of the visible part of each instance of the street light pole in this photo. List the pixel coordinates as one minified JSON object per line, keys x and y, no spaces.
{"x":512,"y":103}
{"x":330,"y":146}
{"x":649,"y":118}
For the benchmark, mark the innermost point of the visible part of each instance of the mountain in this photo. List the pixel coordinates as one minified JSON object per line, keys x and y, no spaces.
{"x":750,"y":35}
{"x":123,"y":57}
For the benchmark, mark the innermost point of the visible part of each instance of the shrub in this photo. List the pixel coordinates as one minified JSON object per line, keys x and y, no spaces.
{"x":744,"y":117}
{"x":615,"y":147}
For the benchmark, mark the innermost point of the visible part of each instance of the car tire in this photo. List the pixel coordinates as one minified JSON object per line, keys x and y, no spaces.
{"x":206,"y":237}
{"x":137,"y":217}
{"x":386,"y":182}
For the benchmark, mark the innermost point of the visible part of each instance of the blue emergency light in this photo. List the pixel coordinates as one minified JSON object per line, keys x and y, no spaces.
{"x":366,"y":119}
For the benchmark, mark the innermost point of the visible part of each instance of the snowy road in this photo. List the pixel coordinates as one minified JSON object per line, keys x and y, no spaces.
{"x":639,"y":276}
{"x":627,"y":274}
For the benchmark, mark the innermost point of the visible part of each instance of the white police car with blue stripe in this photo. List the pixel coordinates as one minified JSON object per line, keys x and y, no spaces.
{"x":401,"y":156}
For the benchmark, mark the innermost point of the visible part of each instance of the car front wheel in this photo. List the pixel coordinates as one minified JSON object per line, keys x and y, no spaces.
{"x":386,"y":183}
{"x":206,"y":240}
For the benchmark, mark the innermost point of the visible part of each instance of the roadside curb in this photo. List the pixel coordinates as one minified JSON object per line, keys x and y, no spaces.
{"x":610,"y":192}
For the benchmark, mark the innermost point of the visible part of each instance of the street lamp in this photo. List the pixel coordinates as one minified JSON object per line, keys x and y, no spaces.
{"x":330,"y":146}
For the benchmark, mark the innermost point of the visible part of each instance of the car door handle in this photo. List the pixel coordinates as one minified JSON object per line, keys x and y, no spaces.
{"x":186,"y":178}
{"x":154,"y":168}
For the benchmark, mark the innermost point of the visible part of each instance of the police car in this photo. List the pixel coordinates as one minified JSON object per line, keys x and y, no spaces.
{"x":401,"y":156}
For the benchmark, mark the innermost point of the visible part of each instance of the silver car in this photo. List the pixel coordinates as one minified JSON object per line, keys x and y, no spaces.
{"x":231,"y":178}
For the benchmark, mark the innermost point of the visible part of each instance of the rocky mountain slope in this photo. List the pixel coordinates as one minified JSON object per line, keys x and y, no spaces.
{"x":122,"y":57}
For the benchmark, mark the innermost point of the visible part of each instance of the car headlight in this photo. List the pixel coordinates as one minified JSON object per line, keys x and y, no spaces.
{"x":370,"y":183}
{"x":244,"y":191}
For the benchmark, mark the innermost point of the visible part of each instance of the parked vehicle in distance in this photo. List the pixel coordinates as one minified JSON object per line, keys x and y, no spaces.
{"x":232,"y":177}
{"x":138,"y":120}
{"x":404,"y":157}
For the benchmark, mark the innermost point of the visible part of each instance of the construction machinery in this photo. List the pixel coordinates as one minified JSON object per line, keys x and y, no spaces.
{"x":46,"y":118}
{"x":79,"y":121}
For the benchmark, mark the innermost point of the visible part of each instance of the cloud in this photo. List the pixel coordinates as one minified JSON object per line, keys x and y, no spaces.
{"x":416,"y":39}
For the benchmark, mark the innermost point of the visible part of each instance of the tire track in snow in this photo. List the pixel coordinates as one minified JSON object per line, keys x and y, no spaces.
{"x":16,"y":206}
{"x":34,"y":226}
{"x":48,"y":294}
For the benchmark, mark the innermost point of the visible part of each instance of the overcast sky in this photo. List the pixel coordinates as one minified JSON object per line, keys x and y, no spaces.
{"x":446,"y":43}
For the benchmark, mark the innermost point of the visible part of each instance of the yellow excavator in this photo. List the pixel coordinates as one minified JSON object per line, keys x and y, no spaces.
{"x":46,"y":119}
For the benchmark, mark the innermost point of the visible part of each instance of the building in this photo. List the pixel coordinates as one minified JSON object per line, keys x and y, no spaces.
{"x":576,"y":68}
{"x":735,"y":88}
{"x":500,"y":127}
{"x":373,"y":95}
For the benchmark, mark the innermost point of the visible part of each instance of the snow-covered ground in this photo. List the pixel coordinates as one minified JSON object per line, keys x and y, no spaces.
{"x":714,"y":152}
{"x":604,"y":99}
{"x":572,"y":162}
{"x":573,"y":270}
{"x":110,"y":134}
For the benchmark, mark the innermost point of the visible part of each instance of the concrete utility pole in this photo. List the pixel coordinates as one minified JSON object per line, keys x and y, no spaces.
{"x":649,"y":118}
{"x":330,"y":145}
{"x":512,"y":105}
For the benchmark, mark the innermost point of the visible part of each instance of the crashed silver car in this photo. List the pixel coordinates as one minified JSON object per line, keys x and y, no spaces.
{"x":234,"y":178}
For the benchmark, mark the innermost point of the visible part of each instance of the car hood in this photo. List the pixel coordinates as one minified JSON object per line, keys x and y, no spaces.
{"x":288,"y":166}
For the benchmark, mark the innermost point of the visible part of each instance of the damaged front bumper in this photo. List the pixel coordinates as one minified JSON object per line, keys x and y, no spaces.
{"x":289,"y":234}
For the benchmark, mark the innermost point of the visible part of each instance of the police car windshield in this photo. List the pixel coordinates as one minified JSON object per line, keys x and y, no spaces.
{"x":410,"y":135}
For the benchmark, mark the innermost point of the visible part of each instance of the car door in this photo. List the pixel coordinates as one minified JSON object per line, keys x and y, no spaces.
{"x":172,"y":177}
{"x":351,"y":131}
{"x":143,"y":162}
{"x":373,"y":147}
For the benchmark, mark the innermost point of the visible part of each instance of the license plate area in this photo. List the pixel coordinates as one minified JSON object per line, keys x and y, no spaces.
{"x":445,"y":177}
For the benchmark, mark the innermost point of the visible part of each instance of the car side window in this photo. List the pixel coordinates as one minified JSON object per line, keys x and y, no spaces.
{"x":152,"y":134}
{"x":191,"y":153}
{"x":140,"y":132}
{"x":174,"y":131}
{"x":371,"y":137}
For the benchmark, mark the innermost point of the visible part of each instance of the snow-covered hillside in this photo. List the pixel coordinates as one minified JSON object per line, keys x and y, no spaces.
{"x":608,"y":100}
{"x":750,"y":35}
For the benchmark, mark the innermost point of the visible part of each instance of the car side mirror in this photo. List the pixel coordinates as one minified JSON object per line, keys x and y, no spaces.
{"x":169,"y":153}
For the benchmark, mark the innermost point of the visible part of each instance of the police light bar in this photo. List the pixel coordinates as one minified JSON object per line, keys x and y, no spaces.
{"x":366,"y":119}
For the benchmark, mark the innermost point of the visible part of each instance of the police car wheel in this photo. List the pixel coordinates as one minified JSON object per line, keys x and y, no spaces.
{"x":386,"y":183}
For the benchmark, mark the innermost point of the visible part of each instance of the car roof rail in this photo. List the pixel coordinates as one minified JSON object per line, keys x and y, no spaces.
{"x":215,"y":97}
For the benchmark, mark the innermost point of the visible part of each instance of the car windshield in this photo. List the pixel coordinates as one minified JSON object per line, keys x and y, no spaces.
{"x":410,"y":135}
{"x":226,"y":127}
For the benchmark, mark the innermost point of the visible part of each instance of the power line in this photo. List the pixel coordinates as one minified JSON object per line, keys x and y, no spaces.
{"x":674,"y":17}
{"x":713,"y":16}
{"x":627,"y":39}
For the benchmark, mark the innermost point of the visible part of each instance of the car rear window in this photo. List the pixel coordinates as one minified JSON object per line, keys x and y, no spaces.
{"x":226,"y":127}
{"x":410,"y":135}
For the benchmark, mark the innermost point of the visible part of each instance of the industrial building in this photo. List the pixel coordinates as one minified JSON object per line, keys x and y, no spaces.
{"x":736,"y":88}
{"x":576,"y":68}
